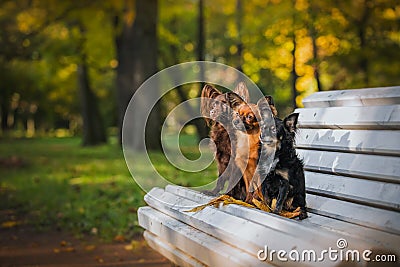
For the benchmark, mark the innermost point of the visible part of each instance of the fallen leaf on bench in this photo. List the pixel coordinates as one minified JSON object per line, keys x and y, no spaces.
{"x":290,"y":214}
{"x":260,"y":205}
{"x":224,"y":199}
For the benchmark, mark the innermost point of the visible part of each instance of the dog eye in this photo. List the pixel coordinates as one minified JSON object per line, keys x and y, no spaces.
{"x":249,"y":117}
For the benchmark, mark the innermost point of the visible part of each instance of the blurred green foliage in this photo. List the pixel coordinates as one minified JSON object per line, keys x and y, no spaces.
{"x":356,"y":45}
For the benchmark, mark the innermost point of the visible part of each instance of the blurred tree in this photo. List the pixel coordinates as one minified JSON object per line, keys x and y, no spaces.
{"x":199,"y":123}
{"x":124,"y":41}
{"x":93,"y":129}
{"x":239,"y":43}
{"x":136,"y":46}
{"x":293,"y":72}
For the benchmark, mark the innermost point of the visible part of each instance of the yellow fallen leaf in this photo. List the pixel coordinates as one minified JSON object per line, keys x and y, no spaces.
{"x":100,"y":260}
{"x":128,"y":247}
{"x":56,"y":250}
{"x":63,"y":243}
{"x":119,"y":238}
{"x":224,"y":200}
{"x":260,"y":205}
{"x":90,"y":247}
{"x":69,"y":249}
{"x":10,"y":224}
{"x":291,"y":214}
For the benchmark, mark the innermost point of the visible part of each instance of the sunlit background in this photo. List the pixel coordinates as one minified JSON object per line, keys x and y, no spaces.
{"x":69,"y":68}
{"x":290,"y":48}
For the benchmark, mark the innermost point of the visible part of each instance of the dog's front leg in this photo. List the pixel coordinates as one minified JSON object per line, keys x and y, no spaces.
{"x":282,"y":195}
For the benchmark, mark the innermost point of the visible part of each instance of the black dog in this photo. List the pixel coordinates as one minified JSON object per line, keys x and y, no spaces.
{"x":284,"y":175}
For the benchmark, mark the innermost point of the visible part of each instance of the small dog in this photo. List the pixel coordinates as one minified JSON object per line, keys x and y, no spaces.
{"x":218,"y":115}
{"x":284,"y":176}
{"x":247,"y":132}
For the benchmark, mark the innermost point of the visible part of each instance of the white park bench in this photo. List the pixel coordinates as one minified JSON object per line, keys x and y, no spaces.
{"x":350,"y":143}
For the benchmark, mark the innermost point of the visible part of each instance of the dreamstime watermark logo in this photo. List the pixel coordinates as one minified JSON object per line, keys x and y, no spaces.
{"x":339,"y":253}
{"x":143,"y":103}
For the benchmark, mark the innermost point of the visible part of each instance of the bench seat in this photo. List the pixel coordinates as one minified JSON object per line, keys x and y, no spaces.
{"x":349,"y":141}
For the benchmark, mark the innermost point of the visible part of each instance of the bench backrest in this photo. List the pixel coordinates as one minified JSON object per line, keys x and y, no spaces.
{"x":350,"y":143}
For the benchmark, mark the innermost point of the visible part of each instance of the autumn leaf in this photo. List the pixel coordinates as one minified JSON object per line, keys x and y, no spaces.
{"x":90,"y":247}
{"x":10,"y":224}
{"x":119,"y":238}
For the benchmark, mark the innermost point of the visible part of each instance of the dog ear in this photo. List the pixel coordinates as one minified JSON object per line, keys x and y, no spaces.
{"x":290,"y":122}
{"x":242,"y":91}
{"x":208,"y":92}
{"x":234,"y":99}
{"x":271,"y":103}
{"x":263,"y":104}
{"x":267,"y":107}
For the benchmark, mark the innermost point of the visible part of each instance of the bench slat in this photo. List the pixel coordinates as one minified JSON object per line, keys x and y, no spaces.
{"x":251,"y":236}
{"x":384,"y":168}
{"x":169,"y":251}
{"x":372,"y":117}
{"x":384,"y":220}
{"x":355,"y":97}
{"x":384,"y":241}
{"x":235,"y":230}
{"x":372,"y":193}
{"x":314,"y":225}
{"x":197,"y":244}
{"x":357,"y":141}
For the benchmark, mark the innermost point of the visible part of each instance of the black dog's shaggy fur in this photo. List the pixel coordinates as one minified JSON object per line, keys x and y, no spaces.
{"x":284,"y":178}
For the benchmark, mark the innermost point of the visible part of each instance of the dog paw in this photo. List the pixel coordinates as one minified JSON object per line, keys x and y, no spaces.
{"x":303,"y":215}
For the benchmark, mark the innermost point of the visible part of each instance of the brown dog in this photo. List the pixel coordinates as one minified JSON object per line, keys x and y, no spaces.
{"x":216,"y":111}
{"x":245,"y":121}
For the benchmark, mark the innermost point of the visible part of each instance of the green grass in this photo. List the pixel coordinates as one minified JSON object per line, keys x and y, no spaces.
{"x":80,"y":189}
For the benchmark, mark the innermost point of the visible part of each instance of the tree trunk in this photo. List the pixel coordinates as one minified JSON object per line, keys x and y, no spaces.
{"x":136,"y":45}
{"x":4,"y":116}
{"x":201,"y":128}
{"x":313,"y":35}
{"x":200,"y":125}
{"x":93,"y":130}
{"x":124,"y":42}
{"x":316,"y":62}
{"x":144,"y":65}
{"x":362,"y":31}
{"x":239,"y":17}
{"x":294,"y":74}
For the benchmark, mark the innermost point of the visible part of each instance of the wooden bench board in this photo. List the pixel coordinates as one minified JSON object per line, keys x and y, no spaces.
{"x":381,"y":142}
{"x":375,"y":218}
{"x":283,"y":224}
{"x":365,"y":117}
{"x":192,"y":241}
{"x":263,"y":228}
{"x":170,"y":251}
{"x":355,"y":97}
{"x":372,"y":193}
{"x":379,"y":168}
